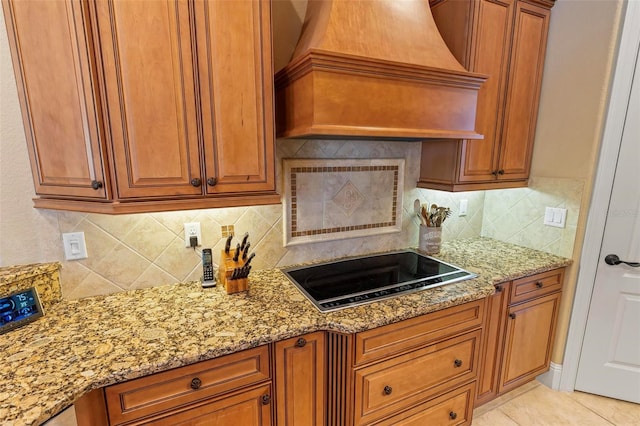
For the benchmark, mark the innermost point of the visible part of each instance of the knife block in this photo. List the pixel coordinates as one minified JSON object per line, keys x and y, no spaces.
{"x":227,"y":265}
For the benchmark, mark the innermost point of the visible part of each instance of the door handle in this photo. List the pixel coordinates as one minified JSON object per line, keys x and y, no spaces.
{"x":613,"y":259}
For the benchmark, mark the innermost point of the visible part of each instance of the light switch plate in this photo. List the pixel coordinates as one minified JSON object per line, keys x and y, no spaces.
{"x":75,"y":246}
{"x":554,"y":216}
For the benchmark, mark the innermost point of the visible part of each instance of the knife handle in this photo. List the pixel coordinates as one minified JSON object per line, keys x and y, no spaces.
{"x":245,"y":252}
{"x":227,"y":245}
{"x":246,"y":263}
{"x":244,"y":240}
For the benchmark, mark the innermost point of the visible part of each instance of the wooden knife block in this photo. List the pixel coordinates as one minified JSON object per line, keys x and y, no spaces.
{"x":227,"y":265}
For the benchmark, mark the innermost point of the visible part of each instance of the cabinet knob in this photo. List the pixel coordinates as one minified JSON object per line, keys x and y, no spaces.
{"x":301,"y":342}
{"x":387,"y":390}
{"x":498,"y":288}
{"x":452,"y":415}
{"x":512,"y":316}
{"x":500,"y":172}
{"x":196,"y":383}
{"x":539,"y":284}
{"x":495,"y":173}
{"x":96,"y":184}
{"x":457,"y":362}
{"x":266,"y":399}
{"x":212,"y":181}
{"x":196,"y":182}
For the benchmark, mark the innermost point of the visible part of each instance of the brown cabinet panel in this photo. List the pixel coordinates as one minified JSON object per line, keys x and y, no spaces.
{"x":398,"y":383}
{"x":396,"y":338}
{"x":251,"y":407}
{"x":173,"y":389}
{"x":452,"y":409}
{"x":525,"y":81}
{"x":506,"y":40}
{"x":300,"y":371}
{"x":493,"y":338}
{"x":56,"y":81}
{"x":535,"y":286}
{"x":493,"y":30}
{"x":147,"y":54}
{"x":528,"y":340}
{"x":236,"y":84}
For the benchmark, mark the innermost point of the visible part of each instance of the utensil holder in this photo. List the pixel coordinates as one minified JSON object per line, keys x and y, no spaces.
{"x":227,"y":265}
{"x":429,"y":239}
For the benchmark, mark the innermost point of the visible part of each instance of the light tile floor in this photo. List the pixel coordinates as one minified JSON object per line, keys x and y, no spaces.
{"x":535,"y":404}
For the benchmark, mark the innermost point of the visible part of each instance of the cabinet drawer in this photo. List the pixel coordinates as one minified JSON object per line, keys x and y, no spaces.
{"x":452,"y":409}
{"x":395,"y":338}
{"x":536,"y":285}
{"x":181,"y":386}
{"x":399,"y":383}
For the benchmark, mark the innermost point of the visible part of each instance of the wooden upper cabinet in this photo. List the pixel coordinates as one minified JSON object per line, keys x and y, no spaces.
{"x":506,"y":40}
{"x":523,"y":92}
{"x":148,"y":62}
{"x":161,"y":104}
{"x":236,"y":87}
{"x":56,"y":81}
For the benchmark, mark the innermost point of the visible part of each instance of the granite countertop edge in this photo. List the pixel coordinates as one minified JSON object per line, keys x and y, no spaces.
{"x":68,"y":353}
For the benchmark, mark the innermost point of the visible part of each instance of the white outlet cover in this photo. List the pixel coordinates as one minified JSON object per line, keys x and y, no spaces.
{"x":192,"y":229}
{"x":464,"y":205}
{"x":75,"y":246}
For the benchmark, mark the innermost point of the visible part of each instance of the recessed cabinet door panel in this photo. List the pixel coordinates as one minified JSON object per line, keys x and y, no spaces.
{"x":149,"y":77}
{"x":528,"y":340}
{"x":491,"y":57}
{"x":525,"y":80}
{"x":59,"y":110}
{"x":236,"y":79}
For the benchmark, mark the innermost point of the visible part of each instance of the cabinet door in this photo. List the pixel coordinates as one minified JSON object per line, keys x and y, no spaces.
{"x":490,"y":56}
{"x":250,"y":407}
{"x":148,"y":63}
{"x":523,"y":92}
{"x":59,"y":110}
{"x":236,"y":86}
{"x":300,"y":380}
{"x":528,"y":340}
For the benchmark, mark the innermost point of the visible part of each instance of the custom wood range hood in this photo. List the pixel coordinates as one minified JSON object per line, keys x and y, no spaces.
{"x":374,"y":69}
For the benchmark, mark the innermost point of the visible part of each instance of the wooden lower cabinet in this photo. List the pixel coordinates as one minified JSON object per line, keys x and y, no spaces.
{"x":520,"y":330}
{"x":454,"y":408}
{"x":300,"y":371}
{"x":431,"y":369}
{"x":248,"y":407}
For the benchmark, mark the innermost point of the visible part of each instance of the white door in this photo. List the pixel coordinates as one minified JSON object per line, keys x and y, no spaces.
{"x":610,"y":357}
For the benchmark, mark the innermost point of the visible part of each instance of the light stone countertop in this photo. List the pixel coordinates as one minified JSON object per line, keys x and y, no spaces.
{"x":90,"y":343}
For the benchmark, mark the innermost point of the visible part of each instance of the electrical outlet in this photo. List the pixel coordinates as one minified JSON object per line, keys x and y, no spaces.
{"x":227,"y":230}
{"x":192,"y":229}
{"x":464,"y":205}
{"x":74,"y":246}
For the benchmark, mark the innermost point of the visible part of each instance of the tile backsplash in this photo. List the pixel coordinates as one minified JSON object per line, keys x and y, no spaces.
{"x":143,"y":250}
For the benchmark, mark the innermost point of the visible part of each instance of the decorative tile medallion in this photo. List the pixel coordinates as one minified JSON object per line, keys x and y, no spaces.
{"x":335,"y":199}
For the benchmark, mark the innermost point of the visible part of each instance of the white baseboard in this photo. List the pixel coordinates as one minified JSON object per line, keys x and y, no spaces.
{"x":551,"y":378}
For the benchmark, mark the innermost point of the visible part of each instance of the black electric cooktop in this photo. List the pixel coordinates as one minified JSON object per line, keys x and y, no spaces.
{"x":335,"y":285}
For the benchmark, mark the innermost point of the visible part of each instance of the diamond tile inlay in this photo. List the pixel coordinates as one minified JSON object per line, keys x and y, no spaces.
{"x":348,"y":198}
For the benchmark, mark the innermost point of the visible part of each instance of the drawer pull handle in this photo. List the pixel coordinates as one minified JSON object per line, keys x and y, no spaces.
{"x":301,"y":342}
{"x":457,"y":363}
{"x":453,"y":415}
{"x":387,"y":390}
{"x":512,"y":316}
{"x":196,"y":383}
{"x":266,"y":399}
{"x":539,"y":284}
